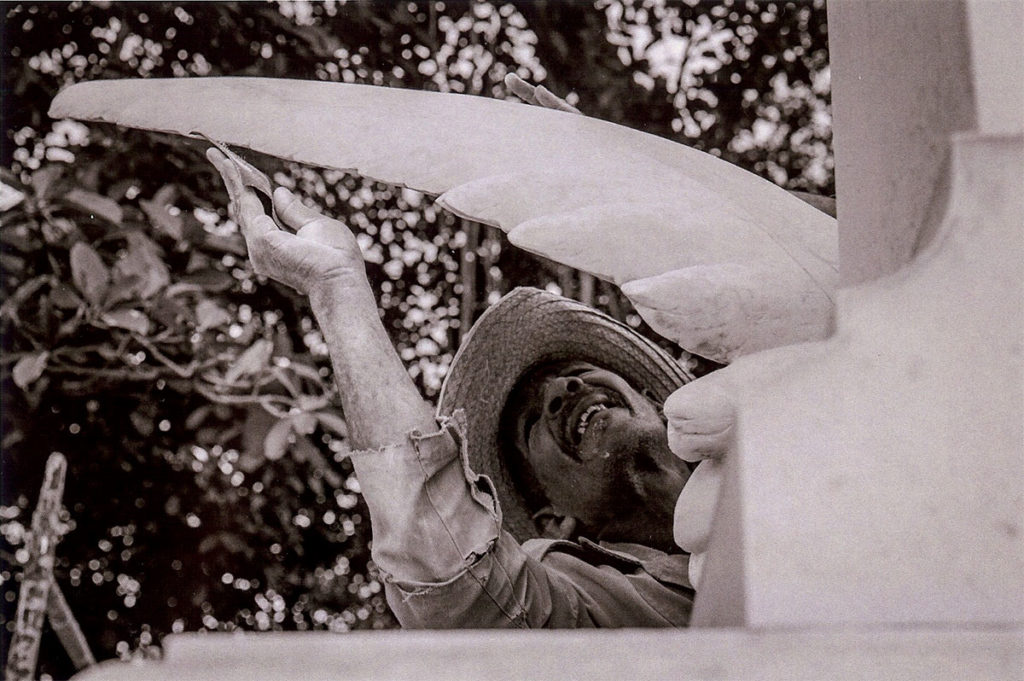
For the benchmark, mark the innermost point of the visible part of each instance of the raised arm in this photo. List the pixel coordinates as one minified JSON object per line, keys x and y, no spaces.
{"x":323,"y":261}
{"x":436,"y":526}
{"x":404,"y":463}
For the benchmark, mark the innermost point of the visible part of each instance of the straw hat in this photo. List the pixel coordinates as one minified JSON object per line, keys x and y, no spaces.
{"x":526,"y":328}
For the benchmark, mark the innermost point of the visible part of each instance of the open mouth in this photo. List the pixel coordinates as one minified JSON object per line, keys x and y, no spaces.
{"x":579,"y":417}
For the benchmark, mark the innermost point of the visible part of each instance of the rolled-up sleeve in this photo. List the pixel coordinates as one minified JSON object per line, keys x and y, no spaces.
{"x":447,"y":563}
{"x":431,"y":517}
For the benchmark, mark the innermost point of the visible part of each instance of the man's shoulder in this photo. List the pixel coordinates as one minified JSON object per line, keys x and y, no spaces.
{"x":669,"y":568}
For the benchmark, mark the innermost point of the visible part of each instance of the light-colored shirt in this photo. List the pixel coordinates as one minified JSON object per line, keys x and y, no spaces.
{"x":447,"y":563}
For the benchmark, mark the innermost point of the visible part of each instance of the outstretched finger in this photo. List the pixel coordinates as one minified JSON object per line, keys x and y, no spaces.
{"x":292,"y":212}
{"x":520,"y":88}
{"x":546,"y":99}
{"x":257,"y":230}
{"x":250,"y":211}
{"x":228,"y":172}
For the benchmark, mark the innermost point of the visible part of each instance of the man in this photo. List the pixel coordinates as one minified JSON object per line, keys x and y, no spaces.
{"x":557,"y":402}
{"x":554,"y":418}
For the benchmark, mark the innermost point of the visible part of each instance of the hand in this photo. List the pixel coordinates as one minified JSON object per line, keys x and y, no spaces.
{"x":702,"y":417}
{"x":537,"y":94}
{"x":701,"y":420}
{"x":322,"y":253}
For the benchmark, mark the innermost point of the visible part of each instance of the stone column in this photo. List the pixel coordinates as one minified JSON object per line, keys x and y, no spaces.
{"x":901,"y":85}
{"x":877,"y":478}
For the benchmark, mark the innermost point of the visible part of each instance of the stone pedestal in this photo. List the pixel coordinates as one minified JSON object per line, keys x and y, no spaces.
{"x":638,"y":655}
{"x":878,"y":477}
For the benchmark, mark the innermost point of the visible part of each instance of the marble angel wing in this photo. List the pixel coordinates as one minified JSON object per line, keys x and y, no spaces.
{"x":715,"y":258}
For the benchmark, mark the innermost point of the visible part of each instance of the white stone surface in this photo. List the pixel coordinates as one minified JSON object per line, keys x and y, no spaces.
{"x":901,"y":86}
{"x":637,"y":655}
{"x":879,"y":477}
{"x":997,"y":54}
{"x":727,"y":309}
{"x":613,"y":201}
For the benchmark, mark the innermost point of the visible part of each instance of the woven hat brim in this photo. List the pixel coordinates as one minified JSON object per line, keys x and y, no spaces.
{"x":528,"y":327}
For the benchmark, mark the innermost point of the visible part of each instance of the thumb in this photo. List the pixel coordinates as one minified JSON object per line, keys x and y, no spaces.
{"x":292,"y":212}
{"x":701,"y":418}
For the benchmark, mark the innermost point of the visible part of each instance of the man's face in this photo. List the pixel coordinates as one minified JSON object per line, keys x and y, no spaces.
{"x":597,"y":446}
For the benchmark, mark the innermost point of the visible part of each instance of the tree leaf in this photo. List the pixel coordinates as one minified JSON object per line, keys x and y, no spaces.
{"x":169,"y":312}
{"x":44,"y":178}
{"x":9,"y":308}
{"x":333,"y":423}
{"x":12,"y":265}
{"x":213,"y":280}
{"x":276,"y":443}
{"x":57,"y":231}
{"x":225,"y":243}
{"x":29,"y":368}
{"x":96,"y":205}
{"x":159,"y":214}
{"x":304,"y":423}
{"x":252,"y":361}
{"x":9,"y":197}
{"x":141,"y":272}
{"x":20,"y":235}
{"x":306,"y":371}
{"x":129,"y":319}
{"x":64,"y":298}
{"x":210,"y":315}
{"x":258,"y":423}
{"x":89,"y":273}
{"x":143,"y":423}
{"x":196,"y":418}
{"x":70,"y":326}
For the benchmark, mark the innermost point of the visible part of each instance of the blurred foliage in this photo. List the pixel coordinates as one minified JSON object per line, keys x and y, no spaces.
{"x":208,"y":487}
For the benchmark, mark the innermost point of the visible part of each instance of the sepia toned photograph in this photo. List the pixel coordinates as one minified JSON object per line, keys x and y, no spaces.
{"x":352,"y":340}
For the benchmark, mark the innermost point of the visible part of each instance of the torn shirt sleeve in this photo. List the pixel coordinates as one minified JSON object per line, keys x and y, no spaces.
{"x":447,"y":563}
{"x":431,"y":517}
